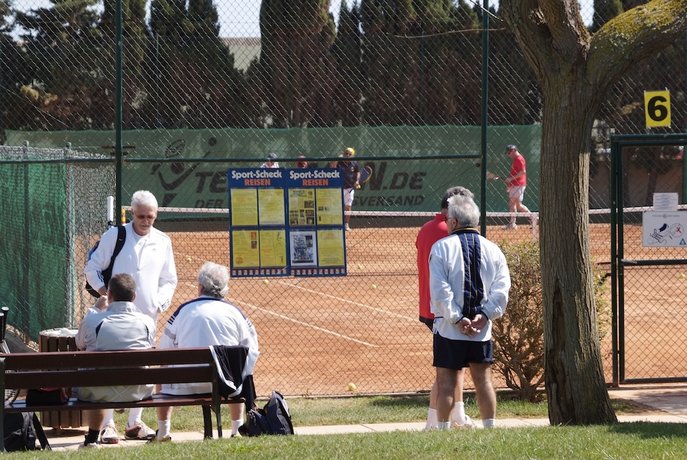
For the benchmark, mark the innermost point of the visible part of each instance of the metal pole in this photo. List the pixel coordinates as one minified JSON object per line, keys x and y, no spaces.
{"x":119,"y":101}
{"x":614,"y":262}
{"x":485,"y":114}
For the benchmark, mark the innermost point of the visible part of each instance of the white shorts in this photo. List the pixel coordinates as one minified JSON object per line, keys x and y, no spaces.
{"x":348,"y":196}
{"x":517,"y":191}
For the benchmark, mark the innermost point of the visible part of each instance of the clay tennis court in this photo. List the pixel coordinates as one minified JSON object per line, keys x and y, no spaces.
{"x":318,"y":334}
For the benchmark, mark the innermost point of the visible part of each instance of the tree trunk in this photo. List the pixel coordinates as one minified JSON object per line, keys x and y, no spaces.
{"x":575,"y":383}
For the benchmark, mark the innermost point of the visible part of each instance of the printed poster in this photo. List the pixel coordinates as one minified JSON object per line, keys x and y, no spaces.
{"x":303,"y":248}
{"x":301,"y":207}
{"x":330,"y":246}
{"x":244,"y":207}
{"x":273,"y":248}
{"x":329,"y":206}
{"x":271,"y":204}
{"x":245,"y":248}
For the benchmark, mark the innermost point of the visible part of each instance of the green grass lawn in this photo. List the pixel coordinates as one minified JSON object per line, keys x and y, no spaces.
{"x":369,"y":409}
{"x":621,"y":441}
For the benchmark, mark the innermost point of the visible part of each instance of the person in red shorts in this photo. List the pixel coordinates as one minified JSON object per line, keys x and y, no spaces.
{"x":431,"y":232}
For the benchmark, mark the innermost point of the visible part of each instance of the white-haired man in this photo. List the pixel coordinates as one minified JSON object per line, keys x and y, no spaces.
{"x":430,"y":233}
{"x":148,"y":257}
{"x":469,"y":283}
{"x":204,"y":321}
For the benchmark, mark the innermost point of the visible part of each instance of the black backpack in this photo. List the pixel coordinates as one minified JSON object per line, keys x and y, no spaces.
{"x":22,"y":430}
{"x":274,"y":418}
{"x":107,"y":273}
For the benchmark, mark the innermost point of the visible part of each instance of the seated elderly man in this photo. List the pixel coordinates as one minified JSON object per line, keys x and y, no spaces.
{"x":202,"y":322}
{"x":120,"y":327}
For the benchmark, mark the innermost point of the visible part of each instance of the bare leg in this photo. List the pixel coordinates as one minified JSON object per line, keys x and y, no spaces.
{"x":94,"y":418}
{"x":512,"y":207}
{"x":432,"y":418}
{"x":236,"y":411}
{"x":486,"y":396}
{"x":164,"y":422}
{"x":446,"y":385}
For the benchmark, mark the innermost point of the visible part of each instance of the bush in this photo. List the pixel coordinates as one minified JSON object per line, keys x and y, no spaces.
{"x":519,"y":335}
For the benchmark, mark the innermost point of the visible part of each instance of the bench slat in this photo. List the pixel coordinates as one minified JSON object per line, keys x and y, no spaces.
{"x":108,"y":377}
{"x":157,"y":400}
{"x":123,"y":358}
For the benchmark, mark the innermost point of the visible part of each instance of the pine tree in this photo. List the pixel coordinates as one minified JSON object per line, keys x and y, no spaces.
{"x":389,"y":60}
{"x":136,"y":43}
{"x":194,"y":82}
{"x":297,"y":67}
{"x":66,"y":77}
{"x":348,"y":53}
{"x":9,"y":78}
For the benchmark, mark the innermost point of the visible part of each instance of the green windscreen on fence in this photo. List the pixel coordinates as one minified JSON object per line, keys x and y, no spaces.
{"x":33,"y":250}
{"x":401,"y":186}
{"x":52,"y":210}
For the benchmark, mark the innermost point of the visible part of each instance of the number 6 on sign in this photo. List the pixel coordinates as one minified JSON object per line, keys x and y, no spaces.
{"x":657,"y":108}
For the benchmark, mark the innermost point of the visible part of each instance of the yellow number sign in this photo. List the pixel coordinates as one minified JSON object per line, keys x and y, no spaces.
{"x":657,"y":108}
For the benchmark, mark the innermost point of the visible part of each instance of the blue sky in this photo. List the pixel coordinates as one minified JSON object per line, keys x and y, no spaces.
{"x":240,"y":18}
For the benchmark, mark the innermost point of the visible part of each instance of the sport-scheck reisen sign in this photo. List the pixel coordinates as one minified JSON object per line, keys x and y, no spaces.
{"x":286,"y":222}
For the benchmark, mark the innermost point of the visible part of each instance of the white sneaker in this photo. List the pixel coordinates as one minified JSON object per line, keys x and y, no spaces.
{"x":109,"y":435}
{"x":468,"y":423}
{"x":348,"y":228}
{"x":509,"y":227}
{"x":139,"y":431}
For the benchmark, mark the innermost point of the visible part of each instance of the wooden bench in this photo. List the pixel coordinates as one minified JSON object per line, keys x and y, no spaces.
{"x":108,"y":368}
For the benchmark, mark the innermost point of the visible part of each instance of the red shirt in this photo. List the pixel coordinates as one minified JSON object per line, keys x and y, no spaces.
{"x":517,"y":166}
{"x":432,"y":231}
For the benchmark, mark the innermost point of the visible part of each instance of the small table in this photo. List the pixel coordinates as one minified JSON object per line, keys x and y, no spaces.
{"x":61,"y":339}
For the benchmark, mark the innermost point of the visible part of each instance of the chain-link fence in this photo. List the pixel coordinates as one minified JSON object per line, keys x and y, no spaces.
{"x":211,"y":84}
{"x":650,"y":258}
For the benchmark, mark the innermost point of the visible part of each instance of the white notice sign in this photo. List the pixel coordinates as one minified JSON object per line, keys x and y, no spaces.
{"x":665,"y":202}
{"x":664,"y":229}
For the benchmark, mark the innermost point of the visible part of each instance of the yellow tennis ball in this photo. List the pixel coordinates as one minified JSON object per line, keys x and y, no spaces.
{"x":374,"y":286}
{"x":189,"y":258}
{"x":352,"y":387}
{"x":266,"y":281}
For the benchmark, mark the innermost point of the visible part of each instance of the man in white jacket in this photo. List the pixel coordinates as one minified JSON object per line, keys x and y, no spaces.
{"x":204,"y":321}
{"x":469,"y":284}
{"x":147,"y":256}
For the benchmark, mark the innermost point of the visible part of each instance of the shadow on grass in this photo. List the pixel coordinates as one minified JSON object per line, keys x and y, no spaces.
{"x":650,"y":430}
{"x":412,"y":400}
{"x":400,"y":401}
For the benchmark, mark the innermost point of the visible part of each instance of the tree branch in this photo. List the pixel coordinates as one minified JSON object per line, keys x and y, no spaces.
{"x":551,"y":33}
{"x":632,"y":36}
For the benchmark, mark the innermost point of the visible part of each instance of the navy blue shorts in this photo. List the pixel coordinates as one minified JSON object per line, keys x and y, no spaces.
{"x":457,"y":354}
